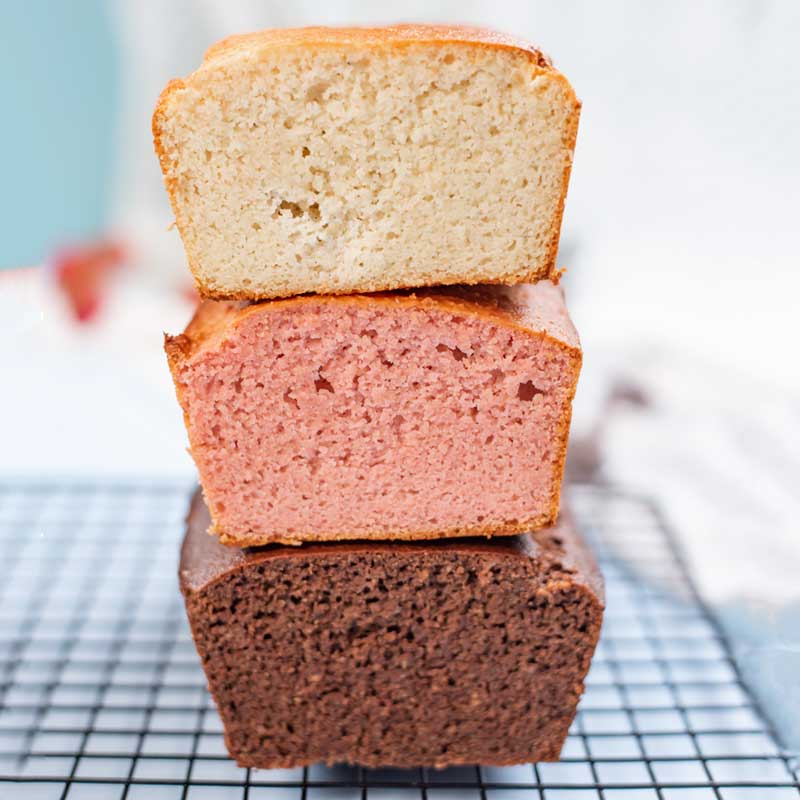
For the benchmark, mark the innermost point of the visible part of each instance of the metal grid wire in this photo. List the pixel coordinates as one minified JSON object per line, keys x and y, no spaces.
{"x":102,"y":694}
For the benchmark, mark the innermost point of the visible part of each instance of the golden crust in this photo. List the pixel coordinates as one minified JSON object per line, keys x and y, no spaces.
{"x":397,"y":36}
{"x":570,"y":139}
{"x":163,"y":159}
{"x":512,"y":307}
{"x":387,"y":36}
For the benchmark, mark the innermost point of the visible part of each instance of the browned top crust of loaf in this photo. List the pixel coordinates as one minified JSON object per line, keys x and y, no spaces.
{"x":388,"y":36}
{"x":556,"y":555}
{"x":530,"y":308}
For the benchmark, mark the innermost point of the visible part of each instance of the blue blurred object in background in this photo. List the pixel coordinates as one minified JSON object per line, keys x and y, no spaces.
{"x":58,"y":73}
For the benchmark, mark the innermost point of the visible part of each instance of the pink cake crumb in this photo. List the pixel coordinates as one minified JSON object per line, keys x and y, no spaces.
{"x":391,"y":416}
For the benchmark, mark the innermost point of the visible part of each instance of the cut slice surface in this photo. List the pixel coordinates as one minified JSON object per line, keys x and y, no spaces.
{"x":440,"y":413}
{"x":343,"y":160}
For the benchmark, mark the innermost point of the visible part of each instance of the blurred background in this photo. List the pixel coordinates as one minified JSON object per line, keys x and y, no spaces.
{"x":680,"y":238}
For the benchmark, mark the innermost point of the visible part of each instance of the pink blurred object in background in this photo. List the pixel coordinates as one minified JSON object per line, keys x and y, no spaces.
{"x":82,"y":273}
{"x":189,"y":292}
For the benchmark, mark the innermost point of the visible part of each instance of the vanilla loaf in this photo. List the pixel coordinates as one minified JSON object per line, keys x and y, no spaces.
{"x":401,"y":415}
{"x":350,"y":160}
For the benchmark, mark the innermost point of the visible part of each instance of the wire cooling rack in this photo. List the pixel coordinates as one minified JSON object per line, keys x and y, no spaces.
{"x":102,"y":695}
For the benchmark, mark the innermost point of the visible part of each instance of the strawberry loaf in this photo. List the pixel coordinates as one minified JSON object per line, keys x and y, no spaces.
{"x":402,"y":415}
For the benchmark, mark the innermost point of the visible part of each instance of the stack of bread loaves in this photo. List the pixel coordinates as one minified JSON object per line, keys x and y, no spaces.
{"x":382,"y":372}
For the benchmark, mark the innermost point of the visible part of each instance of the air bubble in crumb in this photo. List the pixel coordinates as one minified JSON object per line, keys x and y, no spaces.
{"x":323,"y":385}
{"x":527,"y":391}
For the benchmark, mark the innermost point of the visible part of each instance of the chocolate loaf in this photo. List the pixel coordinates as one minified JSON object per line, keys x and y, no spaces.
{"x":398,"y":654}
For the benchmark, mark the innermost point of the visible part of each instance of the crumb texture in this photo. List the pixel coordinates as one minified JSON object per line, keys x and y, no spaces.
{"x":395,"y":655}
{"x":365,"y":165}
{"x":377,"y":417}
